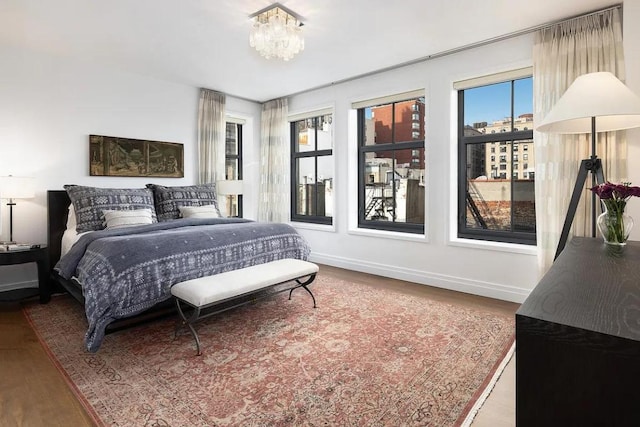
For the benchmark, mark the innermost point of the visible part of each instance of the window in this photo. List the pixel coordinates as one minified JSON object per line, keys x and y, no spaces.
{"x":391,"y":163}
{"x":233,"y":164}
{"x":312,"y":168}
{"x":496,"y":206}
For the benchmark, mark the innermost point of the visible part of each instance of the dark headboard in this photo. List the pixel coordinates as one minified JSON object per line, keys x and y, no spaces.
{"x":58,"y":207}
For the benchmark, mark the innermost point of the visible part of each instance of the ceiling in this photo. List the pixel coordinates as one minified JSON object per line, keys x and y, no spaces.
{"x":204,"y":43}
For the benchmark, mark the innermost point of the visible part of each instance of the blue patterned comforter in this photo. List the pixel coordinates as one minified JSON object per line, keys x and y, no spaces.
{"x":126,"y":271}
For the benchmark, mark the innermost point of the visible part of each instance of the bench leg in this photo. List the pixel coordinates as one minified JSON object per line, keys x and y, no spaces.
{"x":188,"y":322}
{"x":304,"y":285}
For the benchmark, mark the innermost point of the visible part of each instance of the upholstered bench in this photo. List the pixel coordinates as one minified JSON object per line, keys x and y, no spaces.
{"x":211,"y":292}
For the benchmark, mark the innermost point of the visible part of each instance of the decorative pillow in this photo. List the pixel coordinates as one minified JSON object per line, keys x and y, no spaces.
{"x":89,"y":202}
{"x":169,"y":199}
{"x":71,"y":218}
{"x":206,"y":211}
{"x":120,"y":219}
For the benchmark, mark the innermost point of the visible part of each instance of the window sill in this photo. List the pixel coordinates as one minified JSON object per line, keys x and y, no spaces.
{"x":412,"y":237}
{"x":311,"y":226}
{"x":495,"y":246}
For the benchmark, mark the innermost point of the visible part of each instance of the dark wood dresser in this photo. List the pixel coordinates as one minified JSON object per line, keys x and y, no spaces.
{"x":578,"y":340}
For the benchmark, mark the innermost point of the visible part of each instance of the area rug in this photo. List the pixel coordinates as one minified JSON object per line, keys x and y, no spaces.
{"x":364,"y":357}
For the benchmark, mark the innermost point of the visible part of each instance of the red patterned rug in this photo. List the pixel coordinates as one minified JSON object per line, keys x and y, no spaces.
{"x":364,"y":357}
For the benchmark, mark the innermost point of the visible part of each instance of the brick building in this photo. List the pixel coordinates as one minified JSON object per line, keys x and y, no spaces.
{"x":409,"y":126}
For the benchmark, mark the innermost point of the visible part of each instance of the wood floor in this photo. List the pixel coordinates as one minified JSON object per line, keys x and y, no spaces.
{"x":34,"y":393}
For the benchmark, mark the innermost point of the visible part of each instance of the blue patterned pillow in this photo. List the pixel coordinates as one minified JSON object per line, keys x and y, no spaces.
{"x":169,"y":199}
{"x":89,"y":202}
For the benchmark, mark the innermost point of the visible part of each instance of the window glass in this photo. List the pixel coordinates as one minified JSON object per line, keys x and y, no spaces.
{"x":312,"y":169}
{"x":306,"y":200}
{"x":232,"y":168}
{"x":233,"y":165}
{"x":486,"y":107}
{"x":392,"y":167}
{"x":497,"y":202}
{"x":231,"y":140}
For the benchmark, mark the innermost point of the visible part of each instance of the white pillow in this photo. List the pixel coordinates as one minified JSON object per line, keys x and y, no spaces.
{"x":206,"y":211}
{"x":71,"y":218}
{"x":127,"y":218}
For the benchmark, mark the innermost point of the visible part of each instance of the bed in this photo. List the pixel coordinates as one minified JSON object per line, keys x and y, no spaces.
{"x":123,"y":276}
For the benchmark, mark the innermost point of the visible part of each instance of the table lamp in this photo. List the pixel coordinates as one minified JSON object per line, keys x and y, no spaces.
{"x":15,"y":187}
{"x":595,"y":102}
{"x":231,"y":188}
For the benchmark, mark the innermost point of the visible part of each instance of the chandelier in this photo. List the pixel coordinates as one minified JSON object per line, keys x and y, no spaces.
{"x":276,"y":32}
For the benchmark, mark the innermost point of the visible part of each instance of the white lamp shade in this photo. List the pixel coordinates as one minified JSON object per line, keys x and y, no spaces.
{"x":599,"y":95}
{"x":229,"y":187}
{"x":17,"y":187}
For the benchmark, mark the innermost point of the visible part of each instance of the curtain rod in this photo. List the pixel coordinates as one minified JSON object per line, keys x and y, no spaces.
{"x":459,"y":49}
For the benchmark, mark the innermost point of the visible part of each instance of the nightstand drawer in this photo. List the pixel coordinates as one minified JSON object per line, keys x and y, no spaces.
{"x":37,"y":255}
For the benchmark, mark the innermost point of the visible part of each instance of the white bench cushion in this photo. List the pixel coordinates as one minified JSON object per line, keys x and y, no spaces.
{"x":209,"y":289}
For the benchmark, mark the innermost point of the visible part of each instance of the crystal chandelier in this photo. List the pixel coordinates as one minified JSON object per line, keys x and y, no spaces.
{"x":276,"y":32}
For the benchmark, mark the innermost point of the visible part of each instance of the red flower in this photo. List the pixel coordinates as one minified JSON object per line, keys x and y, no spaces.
{"x":618,"y":192}
{"x":604,"y":191}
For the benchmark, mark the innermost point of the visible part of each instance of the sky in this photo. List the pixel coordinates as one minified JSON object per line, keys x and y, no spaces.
{"x":493,"y":102}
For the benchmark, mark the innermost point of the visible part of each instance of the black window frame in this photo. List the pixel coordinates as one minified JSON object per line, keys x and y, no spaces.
{"x":295,"y":156}
{"x":363,"y":149}
{"x":237,"y":157}
{"x":511,"y":138}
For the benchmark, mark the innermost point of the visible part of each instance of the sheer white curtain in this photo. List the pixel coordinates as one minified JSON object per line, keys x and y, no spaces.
{"x":560,"y":54}
{"x":274,"y":162}
{"x":211,"y":139}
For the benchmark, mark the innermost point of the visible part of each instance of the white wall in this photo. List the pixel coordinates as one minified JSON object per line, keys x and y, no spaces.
{"x":50,"y":105}
{"x":496,"y":270}
{"x":433,"y":260}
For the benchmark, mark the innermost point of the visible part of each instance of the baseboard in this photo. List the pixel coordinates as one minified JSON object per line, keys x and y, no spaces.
{"x":476,"y":287}
{"x":460,"y":284}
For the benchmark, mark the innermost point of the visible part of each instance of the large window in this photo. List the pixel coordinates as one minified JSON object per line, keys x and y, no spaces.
{"x":391,"y":164}
{"x":496,"y":203}
{"x":312,"y":169}
{"x":233,"y":164}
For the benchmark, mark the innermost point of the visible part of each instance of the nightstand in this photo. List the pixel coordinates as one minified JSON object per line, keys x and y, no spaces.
{"x":40,"y":257}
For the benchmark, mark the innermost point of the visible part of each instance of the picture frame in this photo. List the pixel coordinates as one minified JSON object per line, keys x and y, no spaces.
{"x":128,"y":157}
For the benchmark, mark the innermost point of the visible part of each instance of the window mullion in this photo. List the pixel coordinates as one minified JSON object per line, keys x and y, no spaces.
{"x":513,"y":183}
{"x":315,"y":166}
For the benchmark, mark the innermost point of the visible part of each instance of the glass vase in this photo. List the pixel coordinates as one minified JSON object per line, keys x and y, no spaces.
{"x":615,"y":227}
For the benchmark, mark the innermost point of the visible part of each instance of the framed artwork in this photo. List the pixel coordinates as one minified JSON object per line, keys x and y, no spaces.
{"x":113,"y":156}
